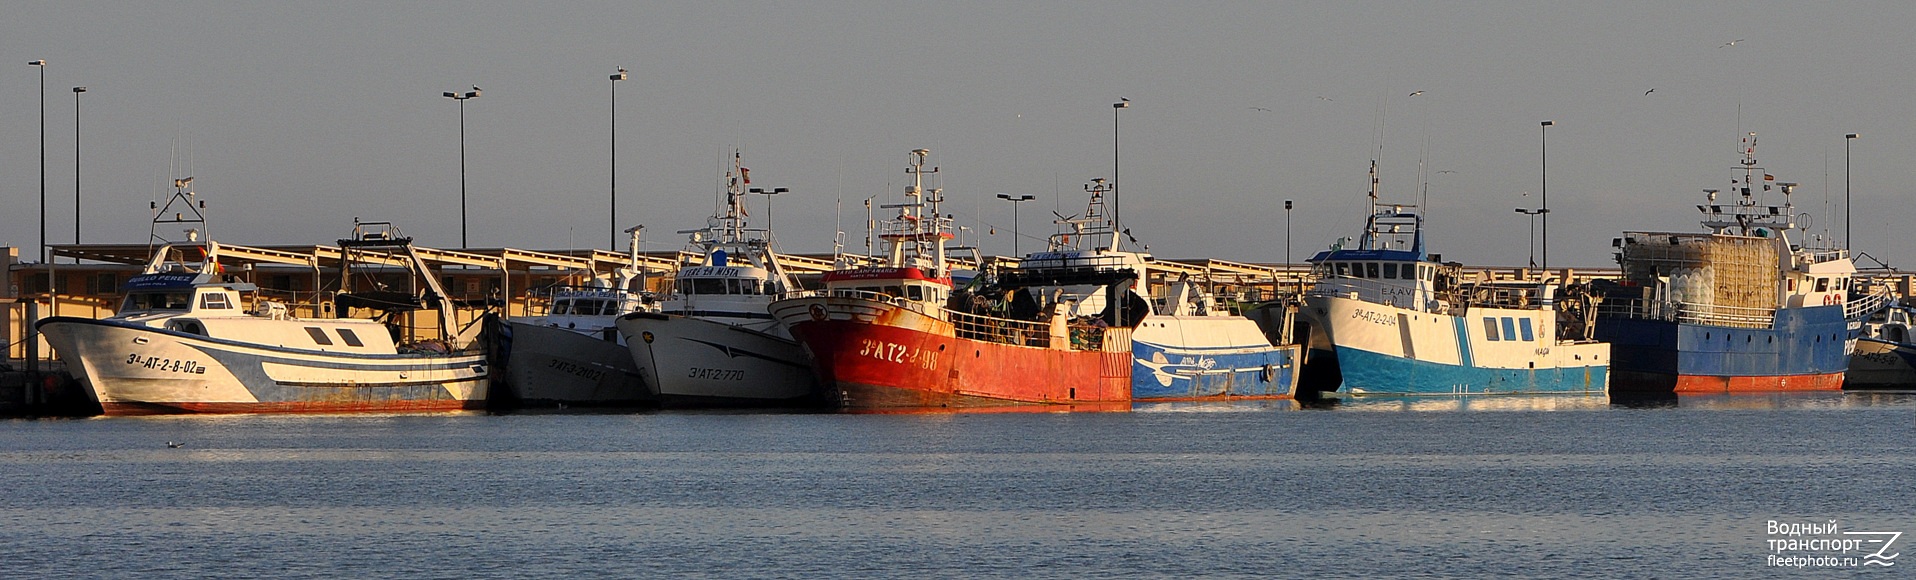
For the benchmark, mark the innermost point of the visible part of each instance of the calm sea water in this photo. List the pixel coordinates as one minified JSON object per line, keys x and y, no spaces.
{"x":1519,"y":487}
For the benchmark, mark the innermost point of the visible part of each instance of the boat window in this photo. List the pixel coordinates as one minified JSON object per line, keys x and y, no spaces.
{"x":915,"y":292}
{"x":346,"y":334}
{"x":707,"y":286}
{"x":1490,"y":329}
{"x":1523,"y":324}
{"x":1510,"y":329}
{"x":1427,"y":272}
{"x":770,"y":288}
{"x":894,"y":291}
{"x":1370,"y":270}
{"x":159,"y":301}
{"x":1390,"y":271}
{"x":1343,"y":270}
{"x":319,"y":336}
{"x":1822,"y":284}
{"x":214,"y":301}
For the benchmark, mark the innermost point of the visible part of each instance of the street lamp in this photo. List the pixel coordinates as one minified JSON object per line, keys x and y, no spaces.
{"x":1117,"y":220}
{"x":1014,"y":218}
{"x":462,"y":98}
{"x":43,"y":165}
{"x":1546,"y":197}
{"x":1287,"y":237}
{"x":1533,"y":213}
{"x":76,"y":163}
{"x":1847,"y":139}
{"x":614,"y":244}
{"x":768,"y":193}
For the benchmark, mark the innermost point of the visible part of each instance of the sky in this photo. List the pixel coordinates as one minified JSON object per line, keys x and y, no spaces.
{"x":295,"y":118}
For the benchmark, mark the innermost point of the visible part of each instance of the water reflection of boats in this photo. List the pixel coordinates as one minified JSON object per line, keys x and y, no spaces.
{"x":571,"y":354}
{"x":190,"y":339}
{"x":1385,"y":317}
{"x":713,"y":341}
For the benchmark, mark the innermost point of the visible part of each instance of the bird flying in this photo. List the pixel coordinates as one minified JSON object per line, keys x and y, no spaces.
{"x":1731,"y":43}
{"x":1415,"y":93}
{"x":1649,"y":91}
{"x":1260,"y":109}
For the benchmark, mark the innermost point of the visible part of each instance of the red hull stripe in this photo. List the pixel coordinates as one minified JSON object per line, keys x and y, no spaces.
{"x":1652,"y":383}
{"x":125,"y":408}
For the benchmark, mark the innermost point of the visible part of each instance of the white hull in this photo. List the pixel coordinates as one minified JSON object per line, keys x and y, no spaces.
{"x":133,"y":369}
{"x":1387,"y":349}
{"x":1881,"y":364}
{"x":694,"y":361}
{"x":548,"y":366}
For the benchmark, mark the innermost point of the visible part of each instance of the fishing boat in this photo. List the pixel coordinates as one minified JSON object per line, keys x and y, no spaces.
{"x":1741,"y":308}
{"x":1885,"y":354}
{"x":1387,"y":317}
{"x":1064,"y":328}
{"x":572,"y":354}
{"x":713,"y":341}
{"x":185,"y":340}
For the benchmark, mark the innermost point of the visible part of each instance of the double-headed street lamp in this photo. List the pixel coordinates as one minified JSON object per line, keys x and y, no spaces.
{"x":462,"y":98}
{"x":1533,"y":213}
{"x":1014,"y":218}
{"x":768,"y":193}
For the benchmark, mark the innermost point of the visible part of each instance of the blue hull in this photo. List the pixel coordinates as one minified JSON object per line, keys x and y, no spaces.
{"x":1802,"y":350}
{"x":1186,"y":374}
{"x":1373,"y":373}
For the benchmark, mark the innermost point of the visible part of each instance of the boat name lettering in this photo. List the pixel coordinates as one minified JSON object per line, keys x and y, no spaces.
{"x":1396,"y":291}
{"x":711,"y":271}
{"x":576,"y":370}
{"x":1376,"y":317}
{"x":716,"y":374}
{"x":898,"y":353}
{"x":1545,"y":351}
{"x":165,"y":364}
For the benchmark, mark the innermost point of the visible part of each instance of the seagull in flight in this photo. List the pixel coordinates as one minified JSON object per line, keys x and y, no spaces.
{"x":1652,"y":90}
{"x":1415,"y":93}
{"x":1325,"y":98}
{"x":1731,"y":43}
{"x":1447,"y":171}
{"x":1260,"y":109}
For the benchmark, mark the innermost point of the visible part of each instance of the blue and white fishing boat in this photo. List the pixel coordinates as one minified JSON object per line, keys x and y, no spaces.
{"x":1740,"y":308}
{"x":1885,"y":354}
{"x":1386,"y":317}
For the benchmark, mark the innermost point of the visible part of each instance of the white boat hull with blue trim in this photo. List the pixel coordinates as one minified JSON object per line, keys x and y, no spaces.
{"x":1383,"y":349}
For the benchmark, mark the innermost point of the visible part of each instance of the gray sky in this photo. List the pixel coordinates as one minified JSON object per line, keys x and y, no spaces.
{"x":296,"y":117}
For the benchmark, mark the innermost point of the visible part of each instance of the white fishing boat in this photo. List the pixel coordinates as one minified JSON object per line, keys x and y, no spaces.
{"x":1885,"y":355}
{"x":1385,"y":317}
{"x":185,"y":340}
{"x":713,"y":342}
{"x":571,"y":353}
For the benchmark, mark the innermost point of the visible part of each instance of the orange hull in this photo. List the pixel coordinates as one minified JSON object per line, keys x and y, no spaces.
{"x":876,"y":366}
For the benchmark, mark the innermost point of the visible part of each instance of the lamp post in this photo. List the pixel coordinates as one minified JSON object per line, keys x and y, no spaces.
{"x":76,"y":163}
{"x":43,"y":165}
{"x":1847,"y":139}
{"x":614,"y":244}
{"x":1117,"y":220}
{"x":1287,"y":237}
{"x":1014,"y":218}
{"x":1545,"y":210}
{"x":768,"y":193}
{"x":462,"y":98}
{"x":1533,"y":213}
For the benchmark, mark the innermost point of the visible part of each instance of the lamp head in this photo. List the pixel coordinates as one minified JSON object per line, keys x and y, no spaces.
{"x":78,"y":90}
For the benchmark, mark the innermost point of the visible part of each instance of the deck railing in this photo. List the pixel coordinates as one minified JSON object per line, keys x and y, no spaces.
{"x":1688,"y":313}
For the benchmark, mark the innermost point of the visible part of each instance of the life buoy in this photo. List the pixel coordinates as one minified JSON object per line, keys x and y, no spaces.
{"x":1830,"y":300}
{"x":1269,"y":374}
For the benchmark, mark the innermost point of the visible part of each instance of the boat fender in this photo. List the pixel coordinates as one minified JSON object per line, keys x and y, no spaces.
{"x":1270,"y":373}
